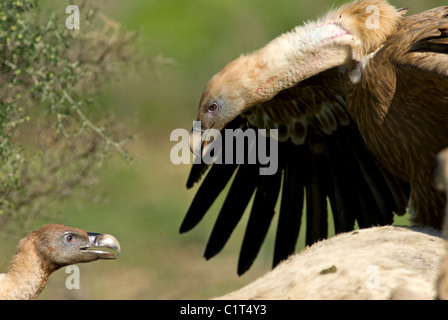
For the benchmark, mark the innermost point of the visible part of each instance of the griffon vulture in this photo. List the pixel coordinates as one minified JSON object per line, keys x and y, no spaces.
{"x":360,"y":101}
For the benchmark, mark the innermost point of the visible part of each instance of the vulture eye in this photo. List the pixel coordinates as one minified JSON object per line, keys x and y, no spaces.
{"x":212,"y":107}
{"x":69,"y":237}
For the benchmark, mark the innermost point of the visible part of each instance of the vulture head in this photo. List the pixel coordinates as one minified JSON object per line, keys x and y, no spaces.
{"x":48,"y":249}
{"x":228,"y":94}
{"x":60,"y":246}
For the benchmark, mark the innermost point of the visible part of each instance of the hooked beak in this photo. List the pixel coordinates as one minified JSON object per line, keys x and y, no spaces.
{"x":199,"y":139}
{"x":105,"y":246}
{"x":196,"y":139}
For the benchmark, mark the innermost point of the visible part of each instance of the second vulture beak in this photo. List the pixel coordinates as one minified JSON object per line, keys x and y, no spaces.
{"x":105,"y":246}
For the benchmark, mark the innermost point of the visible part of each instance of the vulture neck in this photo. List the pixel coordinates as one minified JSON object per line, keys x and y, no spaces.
{"x":342,"y":38}
{"x":27,"y":274}
{"x":300,"y":54}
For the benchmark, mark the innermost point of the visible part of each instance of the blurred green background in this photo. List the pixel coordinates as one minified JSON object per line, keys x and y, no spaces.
{"x":143,"y":203}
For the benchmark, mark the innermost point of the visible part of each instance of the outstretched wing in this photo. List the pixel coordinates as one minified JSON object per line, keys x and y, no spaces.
{"x":321,"y":157}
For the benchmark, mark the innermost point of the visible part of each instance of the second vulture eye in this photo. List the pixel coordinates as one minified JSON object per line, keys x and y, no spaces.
{"x":212,"y":107}
{"x":69,"y":237}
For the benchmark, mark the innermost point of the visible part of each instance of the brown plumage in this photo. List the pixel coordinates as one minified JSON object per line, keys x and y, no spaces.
{"x":325,"y":85}
{"x":48,"y":249}
{"x":404,"y":117}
